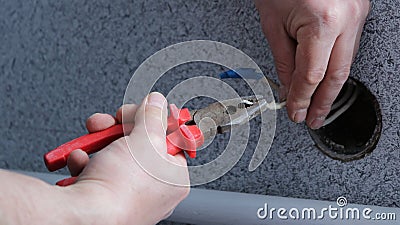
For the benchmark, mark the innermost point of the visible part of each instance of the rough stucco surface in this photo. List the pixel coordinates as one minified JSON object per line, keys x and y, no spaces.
{"x":61,"y":61}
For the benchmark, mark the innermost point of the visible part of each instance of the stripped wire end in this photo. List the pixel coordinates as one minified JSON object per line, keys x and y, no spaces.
{"x":275,"y":106}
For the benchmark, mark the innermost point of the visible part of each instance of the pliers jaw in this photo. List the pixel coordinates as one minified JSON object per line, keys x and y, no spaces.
{"x":220,"y":117}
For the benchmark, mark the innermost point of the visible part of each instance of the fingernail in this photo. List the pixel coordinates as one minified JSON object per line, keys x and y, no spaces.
{"x":300,"y":115}
{"x":317,"y":122}
{"x":156,"y":99}
{"x":93,"y":115}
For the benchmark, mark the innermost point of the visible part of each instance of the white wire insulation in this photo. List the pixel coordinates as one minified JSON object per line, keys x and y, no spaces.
{"x":276,"y":106}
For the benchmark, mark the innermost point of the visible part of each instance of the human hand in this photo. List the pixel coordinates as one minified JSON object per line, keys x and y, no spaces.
{"x":117,"y":182}
{"x":78,"y":159}
{"x":313,"y":43}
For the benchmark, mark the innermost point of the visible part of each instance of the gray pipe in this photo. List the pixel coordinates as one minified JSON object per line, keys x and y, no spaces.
{"x":220,"y":207}
{"x":231,"y":208}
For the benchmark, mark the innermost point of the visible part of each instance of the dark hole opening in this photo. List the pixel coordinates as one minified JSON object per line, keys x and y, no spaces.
{"x":354,"y":133}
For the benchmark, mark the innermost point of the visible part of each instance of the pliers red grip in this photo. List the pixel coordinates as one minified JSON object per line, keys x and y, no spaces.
{"x":179,"y":137}
{"x":90,"y":143}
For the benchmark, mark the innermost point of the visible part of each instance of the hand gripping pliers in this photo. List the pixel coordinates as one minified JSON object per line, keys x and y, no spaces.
{"x":184,"y":131}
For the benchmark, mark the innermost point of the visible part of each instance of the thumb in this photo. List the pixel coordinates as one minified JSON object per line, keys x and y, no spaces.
{"x":151,"y":121}
{"x":147,"y":143}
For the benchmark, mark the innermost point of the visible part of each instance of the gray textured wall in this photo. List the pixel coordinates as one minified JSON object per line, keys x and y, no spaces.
{"x":61,"y":61}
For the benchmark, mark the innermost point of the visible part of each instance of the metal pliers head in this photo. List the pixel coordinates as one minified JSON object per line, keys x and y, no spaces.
{"x":220,"y":117}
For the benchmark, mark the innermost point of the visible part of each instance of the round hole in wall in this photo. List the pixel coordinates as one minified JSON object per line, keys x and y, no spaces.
{"x":355,"y":132}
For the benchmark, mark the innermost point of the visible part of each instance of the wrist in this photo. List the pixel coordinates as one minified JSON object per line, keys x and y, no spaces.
{"x":92,"y":203}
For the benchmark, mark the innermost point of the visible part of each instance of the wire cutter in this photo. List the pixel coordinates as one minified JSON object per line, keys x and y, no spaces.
{"x":184,"y":131}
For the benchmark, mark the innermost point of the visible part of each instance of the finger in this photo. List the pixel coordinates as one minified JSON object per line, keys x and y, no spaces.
{"x":283,"y":49}
{"x":312,"y":56}
{"x":147,"y":143}
{"x":99,"y":121}
{"x":336,"y":75}
{"x":77,"y":161}
{"x":151,"y":120}
{"x":357,"y":42}
{"x":126,"y":113}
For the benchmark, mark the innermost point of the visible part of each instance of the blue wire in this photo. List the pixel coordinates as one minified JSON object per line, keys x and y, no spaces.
{"x":241,"y":73}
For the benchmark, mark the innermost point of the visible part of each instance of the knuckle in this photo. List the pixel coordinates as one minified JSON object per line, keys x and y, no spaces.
{"x":314,"y":77}
{"x":354,"y":8}
{"x":358,"y":9}
{"x":339,"y":76}
{"x":325,"y":17}
{"x":329,"y":17}
{"x":153,"y":112}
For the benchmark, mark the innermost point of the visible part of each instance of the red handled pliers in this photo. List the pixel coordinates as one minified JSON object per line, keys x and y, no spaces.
{"x":183,"y":133}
